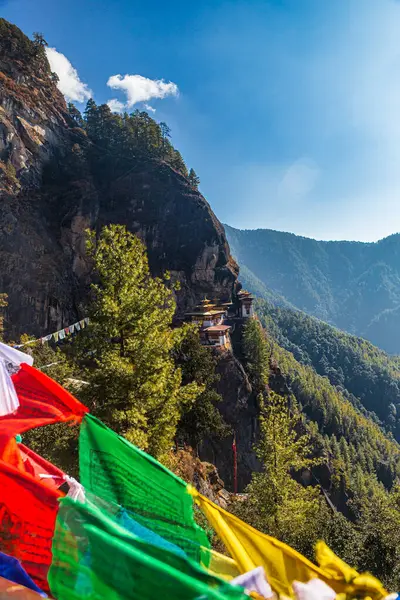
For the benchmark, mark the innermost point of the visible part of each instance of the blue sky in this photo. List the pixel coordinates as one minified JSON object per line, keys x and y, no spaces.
{"x":288,"y":110}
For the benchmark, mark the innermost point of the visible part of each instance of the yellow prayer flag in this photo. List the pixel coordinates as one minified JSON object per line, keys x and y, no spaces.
{"x":357,"y":585}
{"x":283,"y":565}
{"x":251,"y":548}
{"x":218,"y":564}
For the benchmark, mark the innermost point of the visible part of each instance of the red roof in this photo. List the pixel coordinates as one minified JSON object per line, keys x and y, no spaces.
{"x":218,"y":328}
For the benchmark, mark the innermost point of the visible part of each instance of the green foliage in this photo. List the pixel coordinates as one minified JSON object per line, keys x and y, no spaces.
{"x":135,"y":387}
{"x":367,"y":376}
{"x":379,"y":529}
{"x":314,"y":426}
{"x":194,"y":180}
{"x":10,"y":171}
{"x":39,"y":46}
{"x":352,"y":285}
{"x":117,"y":139}
{"x":12,"y":39}
{"x":39,"y":40}
{"x":277,"y":504}
{"x":203,"y":419}
{"x":256,"y":355}
{"x":75,"y":115}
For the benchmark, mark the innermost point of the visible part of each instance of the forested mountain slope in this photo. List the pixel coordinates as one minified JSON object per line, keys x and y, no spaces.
{"x":353,"y":285}
{"x":366,"y":375}
{"x":355,"y":463}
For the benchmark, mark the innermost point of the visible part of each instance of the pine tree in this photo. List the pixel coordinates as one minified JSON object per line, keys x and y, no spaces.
{"x":277,"y":504}
{"x":256,"y":355}
{"x":176,"y":161}
{"x":91,"y":118}
{"x":203,"y":420}
{"x":39,"y":40}
{"x":379,"y":528}
{"x":75,"y":114}
{"x":194,"y":180}
{"x":134,"y":385}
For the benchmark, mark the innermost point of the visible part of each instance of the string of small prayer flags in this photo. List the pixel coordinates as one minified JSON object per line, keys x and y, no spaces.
{"x":61,"y":334}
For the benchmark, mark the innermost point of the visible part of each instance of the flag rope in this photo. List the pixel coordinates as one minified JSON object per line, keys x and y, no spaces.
{"x":58,"y":335}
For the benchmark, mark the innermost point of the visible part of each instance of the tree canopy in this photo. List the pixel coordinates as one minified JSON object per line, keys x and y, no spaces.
{"x":135,"y":386}
{"x":117,"y":139}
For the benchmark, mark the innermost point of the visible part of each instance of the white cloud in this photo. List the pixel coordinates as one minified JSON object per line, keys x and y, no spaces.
{"x":116,"y":106}
{"x":141,"y":89}
{"x":69,"y":83}
{"x":149,"y":108}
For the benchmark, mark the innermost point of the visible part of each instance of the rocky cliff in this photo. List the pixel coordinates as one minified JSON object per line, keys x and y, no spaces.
{"x":240,"y":410}
{"x":49,"y":195}
{"x":45,"y":207}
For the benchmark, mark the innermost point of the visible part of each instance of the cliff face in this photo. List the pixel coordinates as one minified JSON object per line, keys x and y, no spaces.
{"x":33,"y":115}
{"x":240,"y":409}
{"x":43,"y":216}
{"x":49,"y":195}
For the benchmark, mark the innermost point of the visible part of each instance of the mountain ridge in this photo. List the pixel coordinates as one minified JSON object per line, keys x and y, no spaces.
{"x":352,"y":285}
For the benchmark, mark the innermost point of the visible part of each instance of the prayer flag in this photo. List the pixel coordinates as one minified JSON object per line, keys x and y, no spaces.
{"x":357,"y":585}
{"x":11,"y":569}
{"x":13,"y":356}
{"x":40,"y":468}
{"x":251,"y":548}
{"x":28,"y":510}
{"x":9,"y":402}
{"x":114,"y":469}
{"x":94,"y":557}
{"x":42,"y":402}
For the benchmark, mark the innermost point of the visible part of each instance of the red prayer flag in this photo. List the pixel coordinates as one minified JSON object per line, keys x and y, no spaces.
{"x":42,"y":402}
{"x":10,"y":453}
{"x":28,"y":511}
{"x":40,"y":468}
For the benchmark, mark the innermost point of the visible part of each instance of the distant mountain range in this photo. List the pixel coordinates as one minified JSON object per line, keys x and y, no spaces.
{"x":352,"y":285}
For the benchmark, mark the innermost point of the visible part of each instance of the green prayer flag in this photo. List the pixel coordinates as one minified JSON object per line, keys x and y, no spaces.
{"x":114,"y":469}
{"x":94,"y":557}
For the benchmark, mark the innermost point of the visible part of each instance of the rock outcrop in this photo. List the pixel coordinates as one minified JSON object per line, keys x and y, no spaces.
{"x":33,"y":114}
{"x":240,"y":410}
{"x":43,"y":217}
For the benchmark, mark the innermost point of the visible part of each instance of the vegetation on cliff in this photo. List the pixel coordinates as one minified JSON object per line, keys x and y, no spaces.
{"x":364,"y":374}
{"x":134,"y":385}
{"x":141,"y":376}
{"x":113,"y":140}
{"x":351,"y":466}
